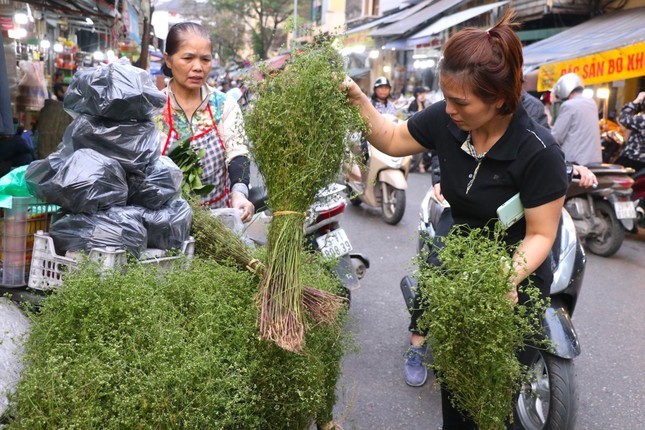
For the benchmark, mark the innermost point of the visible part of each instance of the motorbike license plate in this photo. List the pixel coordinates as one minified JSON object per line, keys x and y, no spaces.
{"x":625,"y":210}
{"x":334,"y":244}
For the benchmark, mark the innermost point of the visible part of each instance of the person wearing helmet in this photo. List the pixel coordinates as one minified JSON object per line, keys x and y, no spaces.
{"x":576,"y":127}
{"x":381,"y":96}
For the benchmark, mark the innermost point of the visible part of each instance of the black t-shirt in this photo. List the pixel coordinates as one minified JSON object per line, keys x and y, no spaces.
{"x":526,"y":159}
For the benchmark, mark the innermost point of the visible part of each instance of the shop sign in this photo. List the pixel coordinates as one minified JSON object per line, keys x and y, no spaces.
{"x":6,"y":23}
{"x":623,"y":63}
{"x":359,"y":38}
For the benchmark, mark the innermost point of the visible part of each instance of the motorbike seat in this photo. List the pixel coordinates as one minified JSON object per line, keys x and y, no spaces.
{"x":604,"y":168}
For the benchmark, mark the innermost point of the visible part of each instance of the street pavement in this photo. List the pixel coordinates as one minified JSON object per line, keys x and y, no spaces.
{"x":609,"y":320}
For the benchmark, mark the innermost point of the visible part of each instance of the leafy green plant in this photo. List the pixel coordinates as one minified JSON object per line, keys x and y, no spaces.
{"x":187,"y":158}
{"x":148,"y":350}
{"x":298,"y":126}
{"x":475,"y":332}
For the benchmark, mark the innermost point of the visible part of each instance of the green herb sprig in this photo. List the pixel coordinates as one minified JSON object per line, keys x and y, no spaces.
{"x":475,"y":332}
{"x":298,"y":127}
{"x":187,"y":158}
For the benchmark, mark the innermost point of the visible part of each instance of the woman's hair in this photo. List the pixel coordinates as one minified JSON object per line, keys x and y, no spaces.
{"x":177,"y":35}
{"x":489,"y":62}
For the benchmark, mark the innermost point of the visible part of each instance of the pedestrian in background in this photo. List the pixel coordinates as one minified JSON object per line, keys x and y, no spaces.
{"x":632,"y":117}
{"x":419,"y":102}
{"x":382,"y":91}
{"x":420,"y":162}
{"x":58,"y":88}
{"x":576,"y":128}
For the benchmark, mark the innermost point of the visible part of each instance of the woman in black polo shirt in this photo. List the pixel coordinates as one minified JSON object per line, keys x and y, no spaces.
{"x":489,"y":150}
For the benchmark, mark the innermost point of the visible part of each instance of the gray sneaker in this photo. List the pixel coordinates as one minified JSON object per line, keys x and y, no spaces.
{"x":415,"y":369}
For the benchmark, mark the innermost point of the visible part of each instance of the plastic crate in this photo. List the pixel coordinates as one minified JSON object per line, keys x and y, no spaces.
{"x":48,"y":268}
{"x":18,"y":224}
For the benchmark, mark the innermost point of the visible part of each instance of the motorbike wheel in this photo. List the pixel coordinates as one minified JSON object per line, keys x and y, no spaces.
{"x":549,"y":400}
{"x":612,"y":234}
{"x":392,"y":204}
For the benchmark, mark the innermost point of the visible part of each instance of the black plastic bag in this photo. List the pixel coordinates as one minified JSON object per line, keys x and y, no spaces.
{"x":117,"y":91}
{"x":134,"y":144}
{"x":168,"y":227}
{"x":119,"y":227}
{"x":86,"y":183}
{"x":161,"y":183}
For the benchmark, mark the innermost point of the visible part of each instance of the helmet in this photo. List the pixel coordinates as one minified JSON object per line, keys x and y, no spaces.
{"x":566,"y":85}
{"x":380,"y":81}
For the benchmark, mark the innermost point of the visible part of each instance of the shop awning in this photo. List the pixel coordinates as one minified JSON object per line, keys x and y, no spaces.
{"x":391,"y":18}
{"x":603,"y":33}
{"x":446,"y":22}
{"x":604,"y":49}
{"x":427,"y":12}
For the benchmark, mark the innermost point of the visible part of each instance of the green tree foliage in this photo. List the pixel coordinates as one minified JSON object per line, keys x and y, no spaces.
{"x":264,"y":18}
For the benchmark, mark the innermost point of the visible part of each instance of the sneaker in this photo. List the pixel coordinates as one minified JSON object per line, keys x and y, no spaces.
{"x":415,"y":369}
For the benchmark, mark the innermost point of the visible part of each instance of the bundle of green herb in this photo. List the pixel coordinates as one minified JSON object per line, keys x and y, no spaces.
{"x":143,"y":349}
{"x":475,"y":332}
{"x":298,"y":126}
{"x":187,"y":157}
{"x":213,"y":240}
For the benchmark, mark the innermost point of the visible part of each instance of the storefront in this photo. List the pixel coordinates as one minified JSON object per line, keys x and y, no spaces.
{"x":42,"y":39}
{"x":608,"y":52}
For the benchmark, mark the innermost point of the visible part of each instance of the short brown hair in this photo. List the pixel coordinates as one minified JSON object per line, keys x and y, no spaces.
{"x":489,"y":61}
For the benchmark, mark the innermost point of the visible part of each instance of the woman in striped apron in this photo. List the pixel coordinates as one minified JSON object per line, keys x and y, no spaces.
{"x":209,"y":118}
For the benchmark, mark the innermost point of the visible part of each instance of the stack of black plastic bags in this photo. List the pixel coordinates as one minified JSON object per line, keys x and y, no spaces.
{"x":108,"y":177}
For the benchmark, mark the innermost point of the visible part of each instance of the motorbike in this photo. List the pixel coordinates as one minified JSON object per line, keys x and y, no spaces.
{"x":602,"y":214}
{"x":639,"y":197}
{"x":323,"y":232}
{"x":611,"y":140}
{"x":382,"y":183}
{"x":548,"y":400}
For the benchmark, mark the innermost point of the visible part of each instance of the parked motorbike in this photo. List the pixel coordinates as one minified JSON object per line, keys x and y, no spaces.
{"x":611,"y":140}
{"x":382,"y":183}
{"x":602,"y":214}
{"x":549,"y":400}
{"x":322,"y":231}
{"x":638,"y":196}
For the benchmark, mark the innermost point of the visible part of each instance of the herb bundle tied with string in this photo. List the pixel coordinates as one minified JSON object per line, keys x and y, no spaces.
{"x":298,"y":127}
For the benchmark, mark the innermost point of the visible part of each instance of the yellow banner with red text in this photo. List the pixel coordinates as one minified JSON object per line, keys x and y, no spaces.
{"x":622,"y":63}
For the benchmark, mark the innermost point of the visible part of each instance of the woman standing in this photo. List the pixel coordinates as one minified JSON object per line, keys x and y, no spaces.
{"x":489,"y":149}
{"x":209,"y":118}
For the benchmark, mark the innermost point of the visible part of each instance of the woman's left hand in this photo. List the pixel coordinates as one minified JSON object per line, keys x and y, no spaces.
{"x":239,"y":201}
{"x":512,"y":294}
